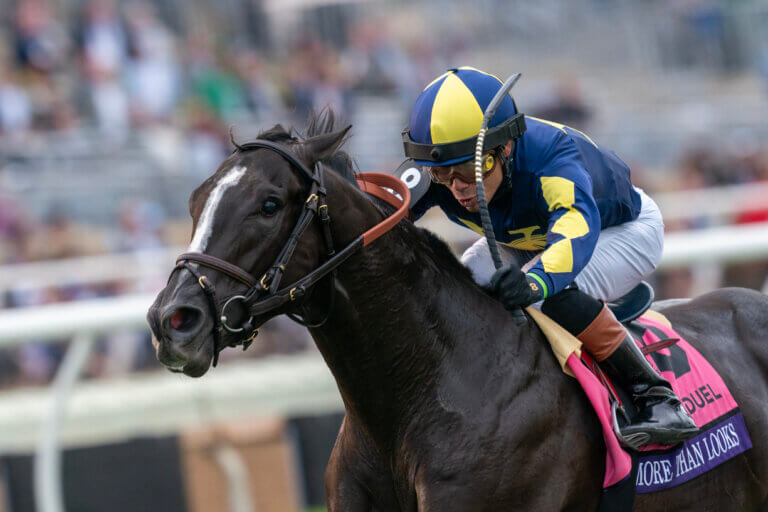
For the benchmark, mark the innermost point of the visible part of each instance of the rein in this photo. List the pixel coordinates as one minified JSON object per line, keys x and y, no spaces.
{"x":263,"y":294}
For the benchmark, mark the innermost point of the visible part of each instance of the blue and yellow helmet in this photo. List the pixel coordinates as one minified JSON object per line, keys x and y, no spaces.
{"x":448,"y":114}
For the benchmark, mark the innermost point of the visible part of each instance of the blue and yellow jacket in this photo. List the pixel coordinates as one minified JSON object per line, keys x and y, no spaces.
{"x":561,"y":190}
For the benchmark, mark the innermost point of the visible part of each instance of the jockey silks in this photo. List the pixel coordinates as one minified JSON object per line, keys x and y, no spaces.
{"x":562,"y":189}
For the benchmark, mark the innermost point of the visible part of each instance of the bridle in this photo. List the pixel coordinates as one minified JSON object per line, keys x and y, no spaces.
{"x":263,"y":294}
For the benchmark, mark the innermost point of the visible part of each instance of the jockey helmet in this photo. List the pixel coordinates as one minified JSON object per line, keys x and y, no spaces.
{"x":448,"y":114}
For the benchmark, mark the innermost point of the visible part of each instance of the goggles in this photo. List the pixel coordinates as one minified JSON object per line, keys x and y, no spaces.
{"x":465,"y":171}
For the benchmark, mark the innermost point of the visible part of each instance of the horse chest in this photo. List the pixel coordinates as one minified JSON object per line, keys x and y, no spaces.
{"x":478,"y":466}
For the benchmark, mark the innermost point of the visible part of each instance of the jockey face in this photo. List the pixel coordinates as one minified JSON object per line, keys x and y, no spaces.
{"x":466,"y":193}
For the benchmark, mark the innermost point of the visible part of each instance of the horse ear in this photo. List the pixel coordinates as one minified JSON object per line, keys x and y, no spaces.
{"x":322,"y":146}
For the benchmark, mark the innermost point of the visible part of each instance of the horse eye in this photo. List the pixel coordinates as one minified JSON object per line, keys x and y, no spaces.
{"x":270,"y":206}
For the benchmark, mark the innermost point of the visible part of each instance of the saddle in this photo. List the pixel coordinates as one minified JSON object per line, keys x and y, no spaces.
{"x":633,"y":304}
{"x":704,"y":394}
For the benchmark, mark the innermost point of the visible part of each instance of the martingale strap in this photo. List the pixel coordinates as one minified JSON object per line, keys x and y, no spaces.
{"x":401,"y":201}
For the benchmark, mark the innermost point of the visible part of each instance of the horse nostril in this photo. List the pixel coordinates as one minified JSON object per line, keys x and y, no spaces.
{"x":184,"y":319}
{"x":176,"y":319}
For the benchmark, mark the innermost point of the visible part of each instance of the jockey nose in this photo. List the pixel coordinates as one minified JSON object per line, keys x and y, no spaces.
{"x":182,"y":323}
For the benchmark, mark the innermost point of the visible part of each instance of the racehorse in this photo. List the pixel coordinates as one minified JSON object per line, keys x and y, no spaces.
{"x":450,"y":404}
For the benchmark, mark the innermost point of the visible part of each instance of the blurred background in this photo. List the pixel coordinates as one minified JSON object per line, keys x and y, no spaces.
{"x":111,"y":113}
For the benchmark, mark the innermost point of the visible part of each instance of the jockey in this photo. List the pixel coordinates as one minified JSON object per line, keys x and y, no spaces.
{"x":561,"y":202}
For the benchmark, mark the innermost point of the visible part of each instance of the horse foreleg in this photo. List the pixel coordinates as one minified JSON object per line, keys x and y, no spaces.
{"x":345,"y":495}
{"x":342,"y":490}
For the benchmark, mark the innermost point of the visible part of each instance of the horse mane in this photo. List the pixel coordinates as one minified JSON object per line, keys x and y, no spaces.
{"x":430,"y":246}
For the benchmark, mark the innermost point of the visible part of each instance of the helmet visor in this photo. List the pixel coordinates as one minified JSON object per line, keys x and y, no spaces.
{"x":443,"y":154}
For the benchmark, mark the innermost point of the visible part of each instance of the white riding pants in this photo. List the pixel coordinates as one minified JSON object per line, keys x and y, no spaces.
{"x":623,"y":256}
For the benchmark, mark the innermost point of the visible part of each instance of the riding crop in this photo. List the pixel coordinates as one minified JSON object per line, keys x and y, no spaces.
{"x":485,"y":216}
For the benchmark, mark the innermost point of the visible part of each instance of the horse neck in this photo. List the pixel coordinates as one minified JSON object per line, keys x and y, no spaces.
{"x":399,"y":318}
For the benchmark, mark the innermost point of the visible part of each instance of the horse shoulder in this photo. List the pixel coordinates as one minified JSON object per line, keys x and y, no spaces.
{"x":494,"y":448}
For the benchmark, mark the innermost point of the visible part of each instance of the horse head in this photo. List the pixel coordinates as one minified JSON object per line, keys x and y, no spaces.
{"x":244,"y":216}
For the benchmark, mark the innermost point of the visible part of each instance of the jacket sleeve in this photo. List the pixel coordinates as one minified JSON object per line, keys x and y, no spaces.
{"x":573,"y":219}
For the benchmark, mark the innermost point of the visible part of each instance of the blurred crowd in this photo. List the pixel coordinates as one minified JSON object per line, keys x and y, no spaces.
{"x":117,"y":68}
{"x":120,"y":66}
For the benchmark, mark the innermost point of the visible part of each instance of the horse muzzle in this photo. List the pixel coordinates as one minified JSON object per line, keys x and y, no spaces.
{"x":182,"y":336}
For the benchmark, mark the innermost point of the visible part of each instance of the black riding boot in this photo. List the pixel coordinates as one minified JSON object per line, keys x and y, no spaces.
{"x":661,"y":418}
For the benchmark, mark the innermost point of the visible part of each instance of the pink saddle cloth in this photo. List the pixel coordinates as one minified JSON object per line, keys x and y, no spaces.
{"x":723,"y":433}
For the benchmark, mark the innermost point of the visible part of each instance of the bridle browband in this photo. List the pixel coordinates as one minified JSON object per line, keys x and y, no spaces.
{"x":264,"y":295}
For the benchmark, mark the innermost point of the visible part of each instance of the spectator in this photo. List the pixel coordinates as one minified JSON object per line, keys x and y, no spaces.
{"x":214,"y":85}
{"x":152,"y":71}
{"x":377,"y":63}
{"x":40,"y":43}
{"x":103,"y":52}
{"x":316,"y":79}
{"x":14,"y":231}
{"x":37,"y":361}
{"x":262,"y":96}
{"x":140,"y":225}
{"x":15,"y":105}
{"x":60,"y":237}
{"x":207,"y":140}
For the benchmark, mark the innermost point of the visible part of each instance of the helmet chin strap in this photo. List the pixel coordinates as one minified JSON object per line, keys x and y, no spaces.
{"x":505,"y":160}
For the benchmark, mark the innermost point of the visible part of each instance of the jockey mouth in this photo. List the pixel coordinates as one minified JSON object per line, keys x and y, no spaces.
{"x":468,"y":202}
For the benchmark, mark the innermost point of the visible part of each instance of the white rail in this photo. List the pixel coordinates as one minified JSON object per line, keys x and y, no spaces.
{"x":713,"y":202}
{"x":140,"y":265}
{"x":727,"y":244}
{"x":49,"y":497}
{"x":62,"y":321}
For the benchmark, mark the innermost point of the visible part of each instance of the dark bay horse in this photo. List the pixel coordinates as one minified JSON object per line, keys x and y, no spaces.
{"x":450,"y":405}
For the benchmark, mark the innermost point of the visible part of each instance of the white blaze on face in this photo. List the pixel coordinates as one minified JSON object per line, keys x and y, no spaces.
{"x":205,"y":223}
